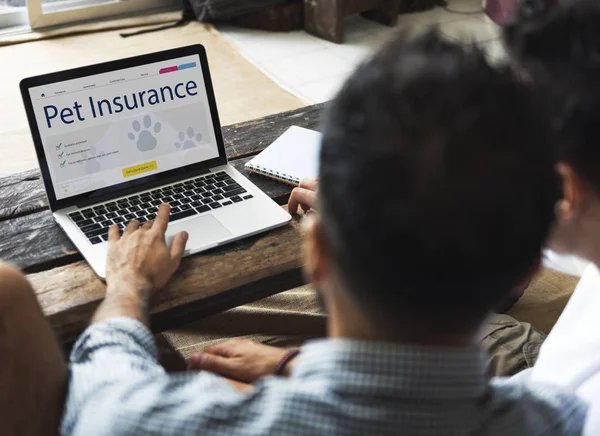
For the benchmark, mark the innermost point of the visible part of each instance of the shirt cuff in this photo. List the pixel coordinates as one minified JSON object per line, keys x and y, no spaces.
{"x":123,"y":333}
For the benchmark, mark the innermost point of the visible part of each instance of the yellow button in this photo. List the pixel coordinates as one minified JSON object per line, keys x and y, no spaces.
{"x":139,"y":169}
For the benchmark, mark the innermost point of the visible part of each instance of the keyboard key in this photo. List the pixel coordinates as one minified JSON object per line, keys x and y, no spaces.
{"x":218,"y":197}
{"x":111,"y":215}
{"x":230,"y":181}
{"x":221,"y":176}
{"x":206,"y":195}
{"x":231,"y":187}
{"x":118,"y":219}
{"x":217,"y":191}
{"x":167,"y":199}
{"x":246,"y":197}
{"x":91,"y":227}
{"x":100,"y":206}
{"x":175,"y":209}
{"x":134,"y":201}
{"x":133,"y":209}
{"x":145,"y":205}
{"x":181,"y":215}
{"x":215,"y":205}
{"x":111,"y":204}
{"x":236,"y":199}
{"x":195,"y":197}
{"x":97,"y":232}
{"x":203,"y":209}
{"x":84,"y":223}
{"x":185,"y":200}
{"x":95,"y":240}
{"x":101,"y":211}
{"x":227,"y":203}
{"x":129,"y":217}
{"x":105,"y":223}
{"x":122,"y":200}
{"x":210,"y":187}
{"x":88,"y":214}
{"x":234,"y":192}
{"x":185,"y":207}
{"x":111,"y":208}
{"x":206,"y":200}
{"x":155,"y":202}
{"x":196,"y":203}
{"x":105,"y":237}
{"x":76,"y":216}
{"x":178,"y":185}
{"x":177,"y":196}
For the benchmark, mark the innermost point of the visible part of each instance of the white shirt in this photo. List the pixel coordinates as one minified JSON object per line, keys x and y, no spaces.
{"x":570,"y":355}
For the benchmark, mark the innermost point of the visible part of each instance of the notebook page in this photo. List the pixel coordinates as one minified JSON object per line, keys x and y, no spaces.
{"x":295,"y":155}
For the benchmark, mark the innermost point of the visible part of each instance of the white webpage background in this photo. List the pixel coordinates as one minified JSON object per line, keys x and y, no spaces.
{"x":94,"y":151}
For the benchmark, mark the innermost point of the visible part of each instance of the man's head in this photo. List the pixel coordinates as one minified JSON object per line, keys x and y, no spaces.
{"x":435,"y":187}
{"x":556,"y":42}
{"x":558,"y":48}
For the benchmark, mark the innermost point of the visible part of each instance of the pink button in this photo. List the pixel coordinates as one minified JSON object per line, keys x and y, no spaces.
{"x":167,"y":70}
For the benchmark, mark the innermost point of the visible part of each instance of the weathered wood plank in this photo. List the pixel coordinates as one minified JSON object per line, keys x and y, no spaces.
{"x":24,"y":193}
{"x":34,"y":242}
{"x":205,"y":284}
{"x":21,"y":193}
{"x":250,"y":137}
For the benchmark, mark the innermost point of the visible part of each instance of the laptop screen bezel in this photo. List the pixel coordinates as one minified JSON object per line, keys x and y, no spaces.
{"x":125,"y":188}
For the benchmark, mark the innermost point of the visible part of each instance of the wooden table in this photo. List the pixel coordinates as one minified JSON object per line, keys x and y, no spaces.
{"x":206,"y":284}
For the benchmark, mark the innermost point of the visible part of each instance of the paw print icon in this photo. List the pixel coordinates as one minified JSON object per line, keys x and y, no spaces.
{"x":190,"y":140}
{"x":145,"y":137}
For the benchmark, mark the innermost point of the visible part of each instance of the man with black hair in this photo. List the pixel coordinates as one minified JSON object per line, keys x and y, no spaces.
{"x":557,"y":47}
{"x":412,"y":186}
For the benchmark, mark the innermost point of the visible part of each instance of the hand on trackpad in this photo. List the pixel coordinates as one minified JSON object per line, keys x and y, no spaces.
{"x":204,"y":230}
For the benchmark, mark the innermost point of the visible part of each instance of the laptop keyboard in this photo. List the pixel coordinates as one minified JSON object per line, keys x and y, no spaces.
{"x":188,"y":198}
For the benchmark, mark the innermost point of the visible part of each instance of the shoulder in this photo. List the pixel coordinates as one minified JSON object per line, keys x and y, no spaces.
{"x":542,"y":407}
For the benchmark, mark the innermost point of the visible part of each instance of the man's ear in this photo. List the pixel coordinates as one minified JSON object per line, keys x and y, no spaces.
{"x":315,"y":250}
{"x":575,"y":193}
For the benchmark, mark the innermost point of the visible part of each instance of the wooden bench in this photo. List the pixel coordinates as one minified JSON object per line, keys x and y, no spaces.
{"x":206,"y":284}
{"x":325,"y":18}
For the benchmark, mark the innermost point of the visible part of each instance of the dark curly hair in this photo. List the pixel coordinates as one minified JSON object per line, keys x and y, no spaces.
{"x":557,"y":46}
{"x":556,"y":42}
{"x":436,"y":183}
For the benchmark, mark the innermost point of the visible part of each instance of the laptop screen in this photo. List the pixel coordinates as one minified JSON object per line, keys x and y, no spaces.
{"x":106,"y":129}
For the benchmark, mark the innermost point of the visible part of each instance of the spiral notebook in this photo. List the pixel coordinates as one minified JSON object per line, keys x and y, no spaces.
{"x":292,"y":157}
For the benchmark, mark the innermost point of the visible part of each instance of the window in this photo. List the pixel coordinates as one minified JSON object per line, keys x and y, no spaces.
{"x":47,"y":13}
{"x":12,"y":13}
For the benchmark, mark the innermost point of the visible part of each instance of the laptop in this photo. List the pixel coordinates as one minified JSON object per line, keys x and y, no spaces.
{"x":117,"y":139}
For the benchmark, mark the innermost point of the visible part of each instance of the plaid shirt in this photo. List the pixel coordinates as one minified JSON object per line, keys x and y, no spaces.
{"x":338,"y":387}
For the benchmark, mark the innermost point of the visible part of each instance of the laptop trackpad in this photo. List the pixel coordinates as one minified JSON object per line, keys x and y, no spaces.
{"x":203,"y":230}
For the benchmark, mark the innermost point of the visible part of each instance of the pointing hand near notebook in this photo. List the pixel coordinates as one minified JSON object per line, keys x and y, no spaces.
{"x":305,"y":196}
